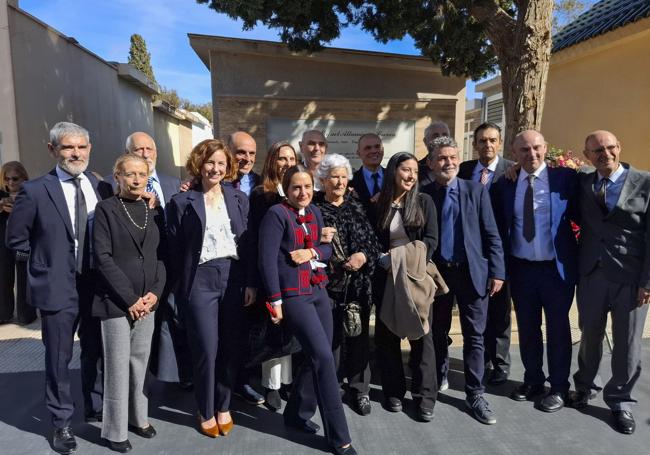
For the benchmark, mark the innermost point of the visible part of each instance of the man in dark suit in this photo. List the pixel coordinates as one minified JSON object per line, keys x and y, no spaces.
{"x":50,"y":227}
{"x":367,"y":181}
{"x":614,"y":266}
{"x":313,"y":147}
{"x":534,"y":214}
{"x":488,"y":168}
{"x":244,"y":147}
{"x":470,"y":258}
{"x":433,"y":131}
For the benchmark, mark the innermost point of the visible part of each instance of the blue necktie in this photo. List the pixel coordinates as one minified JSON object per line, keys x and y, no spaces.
{"x":447,"y":221}
{"x":150,"y":188}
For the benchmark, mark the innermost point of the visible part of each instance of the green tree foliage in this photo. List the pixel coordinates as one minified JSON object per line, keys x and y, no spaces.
{"x":170,"y":96}
{"x":140,"y":57}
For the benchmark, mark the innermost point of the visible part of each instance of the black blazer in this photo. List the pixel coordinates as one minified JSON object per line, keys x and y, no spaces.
{"x":127,"y":270}
{"x":186,"y":227}
{"x":427,"y":233}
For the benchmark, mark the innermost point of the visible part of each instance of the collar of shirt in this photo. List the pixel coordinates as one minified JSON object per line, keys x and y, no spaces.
{"x":154,"y":176}
{"x":540,"y":173}
{"x":615,"y":175}
{"x":491,"y":167}
{"x":367,"y":173}
{"x":245,"y":178}
{"x":280,"y":190}
{"x":453,"y":185}
{"x":65,"y":177}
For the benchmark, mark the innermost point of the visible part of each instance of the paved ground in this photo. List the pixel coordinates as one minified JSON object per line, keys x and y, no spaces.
{"x":24,"y":424}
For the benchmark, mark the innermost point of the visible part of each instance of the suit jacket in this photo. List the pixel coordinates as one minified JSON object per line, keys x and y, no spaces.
{"x":358,"y":182}
{"x":127,"y":270}
{"x":481,"y":238}
{"x":40,"y":225}
{"x":280,"y":234}
{"x":170,"y":185}
{"x":620,"y":240}
{"x":186,"y":228}
{"x":466,"y":169}
{"x":563,"y":186}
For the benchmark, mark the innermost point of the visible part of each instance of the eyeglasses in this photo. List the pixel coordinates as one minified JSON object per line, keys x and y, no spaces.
{"x":12,"y":179}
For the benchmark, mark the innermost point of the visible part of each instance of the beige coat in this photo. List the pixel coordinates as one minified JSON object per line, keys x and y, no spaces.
{"x":410,"y":290}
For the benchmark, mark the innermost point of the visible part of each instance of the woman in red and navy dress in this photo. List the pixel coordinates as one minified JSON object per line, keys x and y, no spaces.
{"x":292,"y":261}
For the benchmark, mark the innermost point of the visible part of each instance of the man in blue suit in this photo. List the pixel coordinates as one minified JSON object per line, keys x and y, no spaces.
{"x":534,"y":214}
{"x":470,"y":259}
{"x":50,"y":227}
{"x":244,"y":149}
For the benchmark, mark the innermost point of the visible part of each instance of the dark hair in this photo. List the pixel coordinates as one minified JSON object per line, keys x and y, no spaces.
{"x":204,"y":150}
{"x":412,"y":214}
{"x":286,"y":180}
{"x":270,"y":177}
{"x":486,"y":126}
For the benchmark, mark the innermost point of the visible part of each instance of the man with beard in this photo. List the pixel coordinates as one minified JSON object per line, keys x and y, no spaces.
{"x":470,"y":258}
{"x":50,"y":227}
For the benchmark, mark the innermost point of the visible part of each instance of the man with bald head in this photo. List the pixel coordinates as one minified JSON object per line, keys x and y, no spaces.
{"x":313,"y":148}
{"x":244,"y":148}
{"x":614,"y":266}
{"x":534,"y":214}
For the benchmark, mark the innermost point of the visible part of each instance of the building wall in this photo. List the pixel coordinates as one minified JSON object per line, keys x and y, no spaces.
{"x":8,"y":124}
{"x":607,"y":89}
{"x":173,"y":138}
{"x":57,"y":80}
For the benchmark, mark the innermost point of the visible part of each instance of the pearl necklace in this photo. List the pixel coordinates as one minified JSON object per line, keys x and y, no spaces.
{"x":146,"y":214}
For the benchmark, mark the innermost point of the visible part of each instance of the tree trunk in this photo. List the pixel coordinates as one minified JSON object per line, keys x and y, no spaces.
{"x":523,"y":48}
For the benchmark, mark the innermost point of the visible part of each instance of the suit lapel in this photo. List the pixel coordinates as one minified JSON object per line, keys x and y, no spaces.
{"x":361,"y":186}
{"x":198,"y":204}
{"x":231,"y":207}
{"x":54,"y":189}
{"x":118,"y":210}
{"x":463,"y":200}
{"x":629,"y":186}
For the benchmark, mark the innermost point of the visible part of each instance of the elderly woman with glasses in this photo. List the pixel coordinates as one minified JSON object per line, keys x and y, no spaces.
{"x":355,"y":250}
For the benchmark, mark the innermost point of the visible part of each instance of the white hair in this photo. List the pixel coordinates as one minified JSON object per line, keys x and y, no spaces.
{"x":434,"y":125}
{"x":332,"y":161}
{"x":439,"y":143}
{"x":128,"y":146}
{"x":62,"y":129}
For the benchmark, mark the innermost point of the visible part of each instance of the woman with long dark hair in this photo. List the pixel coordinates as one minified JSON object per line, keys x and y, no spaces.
{"x":355,"y":252}
{"x":12,"y":176}
{"x":291,"y":267}
{"x":404,"y":215}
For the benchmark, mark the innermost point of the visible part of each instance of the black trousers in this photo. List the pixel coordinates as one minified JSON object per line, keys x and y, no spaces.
{"x":352,"y":354}
{"x":12,"y":272}
{"x":310,"y":319}
{"x":497,"y":331}
{"x":58,"y":329}
{"x":473,"y":316}
{"x":213,"y":317}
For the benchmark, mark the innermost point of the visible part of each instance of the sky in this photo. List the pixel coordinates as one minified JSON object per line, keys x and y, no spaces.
{"x":105,"y":27}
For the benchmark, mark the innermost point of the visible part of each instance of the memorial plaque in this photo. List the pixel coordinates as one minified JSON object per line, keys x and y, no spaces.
{"x":342,"y":135}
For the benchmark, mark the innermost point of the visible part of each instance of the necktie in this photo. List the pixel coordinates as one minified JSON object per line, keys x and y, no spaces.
{"x":375,"y":184}
{"x":601,"y":195}
{"x":485,"y":176}
{"x":81,"y":220}
{"x":447,"y":226}
{"x":150,"y":188}
{"x":529,"y":210}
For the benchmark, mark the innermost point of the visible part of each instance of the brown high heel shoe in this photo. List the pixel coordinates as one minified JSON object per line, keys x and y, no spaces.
{"x":211,"y":432}
{"x":225,"y":428}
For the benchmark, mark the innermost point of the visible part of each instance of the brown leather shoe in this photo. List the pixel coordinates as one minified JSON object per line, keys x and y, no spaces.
{"x":226,"y":428}
{"x":211,"y":432}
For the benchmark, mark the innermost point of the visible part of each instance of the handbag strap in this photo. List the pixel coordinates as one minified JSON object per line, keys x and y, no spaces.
{"x":345,"y":292}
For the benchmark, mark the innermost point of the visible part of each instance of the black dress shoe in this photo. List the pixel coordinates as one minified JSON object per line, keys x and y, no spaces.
{"x":498,"y":377}
{"x":393,"y":404}
{"x":306,"y":426}
{"x":552,"y":402}
{"x":146,"y":432}
{"x":624,"y":421}
{"x":349,"y":450}
{"x":122,"y":447}
{"x":273,"y":401}
{"x":363,"y":406}
{"x":578,"y":399}
{"x":527,"y":392}
{"x":93,"y":416}
{"x":425,"y":415}
{"x":63,"y":441}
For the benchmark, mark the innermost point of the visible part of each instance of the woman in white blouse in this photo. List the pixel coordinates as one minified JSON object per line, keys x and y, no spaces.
{"x":207,"y":230}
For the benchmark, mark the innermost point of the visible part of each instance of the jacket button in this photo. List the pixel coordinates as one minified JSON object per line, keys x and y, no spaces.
{"x":140,"y":257}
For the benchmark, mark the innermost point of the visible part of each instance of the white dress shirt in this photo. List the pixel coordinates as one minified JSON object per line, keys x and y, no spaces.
{"x":155,"y":182}
{"x":541,"y":247}
{"x":478,"y":169}
{"x":218,"y":239}
{"x":70,"y":191}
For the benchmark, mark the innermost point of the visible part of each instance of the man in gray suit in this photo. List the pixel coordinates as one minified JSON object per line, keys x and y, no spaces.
{"x":614,"y":266}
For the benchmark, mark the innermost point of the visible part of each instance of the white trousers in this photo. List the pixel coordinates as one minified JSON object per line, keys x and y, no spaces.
{"x":276,"y":372}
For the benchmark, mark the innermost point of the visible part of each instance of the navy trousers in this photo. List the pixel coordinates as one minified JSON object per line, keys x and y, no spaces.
{"x":537,"y":286}
{"x":213,"y":315}
{"x":473,"y":311}
{"x":58,"y":329}
{"x":497,"y":330}
{"x":310,"y":319}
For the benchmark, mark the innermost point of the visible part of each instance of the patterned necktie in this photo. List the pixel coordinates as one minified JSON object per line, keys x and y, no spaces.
{"x":150,"y":188}
{"x":81,"y":220}
{"x":529,"y":210}
{"x":375,"y":184}
{"x":448,"y":219}
{"x":601,"y":195}
{"x":485,"y":176}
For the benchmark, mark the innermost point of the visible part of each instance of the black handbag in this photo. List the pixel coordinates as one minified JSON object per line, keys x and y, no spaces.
{"x":352,"y":313}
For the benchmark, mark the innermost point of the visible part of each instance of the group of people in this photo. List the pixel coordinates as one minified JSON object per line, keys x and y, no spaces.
{"x":183,"y":279}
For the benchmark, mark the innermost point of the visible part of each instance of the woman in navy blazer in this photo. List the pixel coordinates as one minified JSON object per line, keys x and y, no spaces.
{"x":291,"y":260}
{"x":206,"y":229}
